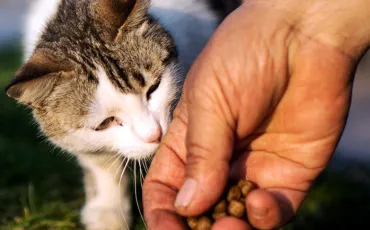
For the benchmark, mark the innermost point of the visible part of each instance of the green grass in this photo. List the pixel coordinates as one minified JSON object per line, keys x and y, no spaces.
{"x":41,"y":188}
{"x":338,"y":200}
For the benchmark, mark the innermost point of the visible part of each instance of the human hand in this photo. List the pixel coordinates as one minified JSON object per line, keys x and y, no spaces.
{"x":267,"y":100}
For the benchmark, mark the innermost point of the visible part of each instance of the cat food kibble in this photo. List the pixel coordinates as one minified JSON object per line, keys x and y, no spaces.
{"x":204,"y":223}
{"x":192,"y":222}
{"x":220,"y":207}
{"x":218,"y":215}
{"x":245,"y":189}
{"x":236,"y":208}
{"x":232,"y":203}
{"x":234,"y":193}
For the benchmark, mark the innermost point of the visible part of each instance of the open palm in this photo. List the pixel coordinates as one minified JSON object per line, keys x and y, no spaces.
{"x":264,"y":101}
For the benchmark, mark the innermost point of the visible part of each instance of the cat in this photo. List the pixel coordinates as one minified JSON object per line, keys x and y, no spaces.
{"x":102,"y":78}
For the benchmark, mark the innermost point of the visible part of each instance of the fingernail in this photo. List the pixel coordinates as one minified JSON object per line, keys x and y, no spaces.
{"x":186,"y":193}
{"x":259,"y":212}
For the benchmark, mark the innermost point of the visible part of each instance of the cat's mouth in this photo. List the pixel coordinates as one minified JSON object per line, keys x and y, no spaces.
{"x":141,"y":152}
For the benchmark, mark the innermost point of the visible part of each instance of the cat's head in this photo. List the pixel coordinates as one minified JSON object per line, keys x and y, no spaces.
{"x":101,"y":79}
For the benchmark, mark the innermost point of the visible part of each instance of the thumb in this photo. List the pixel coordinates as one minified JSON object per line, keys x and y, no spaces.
{"x":221,"y":87}
{"x":213,"y":105}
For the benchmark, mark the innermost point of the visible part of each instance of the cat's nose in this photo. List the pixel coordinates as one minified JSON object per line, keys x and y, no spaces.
{"x":154,"y":136}
{"x":148,"y":130}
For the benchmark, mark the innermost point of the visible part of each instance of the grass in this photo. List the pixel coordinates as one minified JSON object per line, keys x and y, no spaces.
{"x":41,"y":188}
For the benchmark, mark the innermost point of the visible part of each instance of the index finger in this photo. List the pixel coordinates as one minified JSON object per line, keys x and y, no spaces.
{"x":166,"y":176}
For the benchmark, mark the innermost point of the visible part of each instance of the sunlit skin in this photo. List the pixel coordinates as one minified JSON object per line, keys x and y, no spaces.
{"x":267,"y":100}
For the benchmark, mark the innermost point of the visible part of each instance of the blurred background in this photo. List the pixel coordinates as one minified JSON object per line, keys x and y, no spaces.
{"x":41,"y":188}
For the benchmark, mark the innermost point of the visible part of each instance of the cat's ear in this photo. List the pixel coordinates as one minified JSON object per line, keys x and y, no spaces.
{"x":35,"y":80}
{"x":115,"y":15}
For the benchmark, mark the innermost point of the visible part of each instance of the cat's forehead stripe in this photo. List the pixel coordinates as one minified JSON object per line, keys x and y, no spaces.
{"x":138,"y":77}
{"x":132,"y":62}
{"x":114,"y":67}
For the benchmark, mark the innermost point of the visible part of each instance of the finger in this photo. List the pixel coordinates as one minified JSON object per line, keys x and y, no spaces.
{"x":282,"y":186}
{"x":160,"y":189}
{"x":227,"y":223}
{"x":165,"y":177}
{"x":272,"y":208}
{"x":222,"y":82}
{"x":164,"y":219}
{"x":209,"y":142}
{"x":288,"y":173}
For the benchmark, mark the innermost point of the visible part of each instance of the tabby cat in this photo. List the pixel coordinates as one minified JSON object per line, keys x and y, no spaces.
{"x":102,"y":78}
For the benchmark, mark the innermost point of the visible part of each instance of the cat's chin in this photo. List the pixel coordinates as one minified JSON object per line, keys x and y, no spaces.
{"x":140,"y":153}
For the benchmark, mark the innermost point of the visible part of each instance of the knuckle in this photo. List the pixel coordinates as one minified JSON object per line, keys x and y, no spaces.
{"x":196,"y":150}
{"x":198,"y":154}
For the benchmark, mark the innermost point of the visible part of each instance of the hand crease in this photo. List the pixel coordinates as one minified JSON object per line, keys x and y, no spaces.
{"x":293,"y":161}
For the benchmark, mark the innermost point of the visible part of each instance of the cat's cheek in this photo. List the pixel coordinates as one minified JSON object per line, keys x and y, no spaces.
{"x":164,"y":120}
{"x":139,"y":153}
{"x":126,"y":143}
{"x":163,"y":100}
{"x":88,"y":141}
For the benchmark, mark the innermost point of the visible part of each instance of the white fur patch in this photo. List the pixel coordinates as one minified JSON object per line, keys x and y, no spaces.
{"x":110,"y":208}
{"x":191,"y":24}
{"x":141,"y":119}
{"x":105,"y":183}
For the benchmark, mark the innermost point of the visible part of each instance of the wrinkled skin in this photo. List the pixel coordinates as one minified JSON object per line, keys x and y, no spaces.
{"x":266,"y":100}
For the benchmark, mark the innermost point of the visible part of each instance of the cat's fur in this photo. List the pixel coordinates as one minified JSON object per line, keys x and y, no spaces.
{"x":102,"y":78}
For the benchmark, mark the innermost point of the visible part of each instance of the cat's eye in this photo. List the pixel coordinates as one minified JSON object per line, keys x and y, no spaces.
{"x":109,"y":122}
{"x":152,"y":89}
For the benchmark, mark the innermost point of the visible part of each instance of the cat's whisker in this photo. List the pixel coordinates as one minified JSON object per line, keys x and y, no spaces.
{"x":150,"y":159}
{"x":118,"y":156}
{"x":123,"y":161}
{"x":101,"y":113}
{"x":141,"y":175}
{"x":141,"y":183}
{"x":145,"y":166}
{"x":136,"y":198}
{"x":114,"y":155}
{"x":131,"y":168}
{"x":120,"y":199}
{"x":140,"y":172}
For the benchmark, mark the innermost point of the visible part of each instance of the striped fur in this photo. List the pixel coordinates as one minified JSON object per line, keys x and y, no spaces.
{"x":102,"y":78}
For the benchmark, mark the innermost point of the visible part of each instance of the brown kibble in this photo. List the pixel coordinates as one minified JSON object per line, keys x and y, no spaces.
{"x":218,"y":215}
{"x":234,"y":193}
{"x":236,"y":209}
{"x":233,"y":205}
{"x":204,"y":223}
{"x":192,"y":222}
{"x":247,"y":188}
{"x":220,"y":207}
{"x":243,"y":182}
